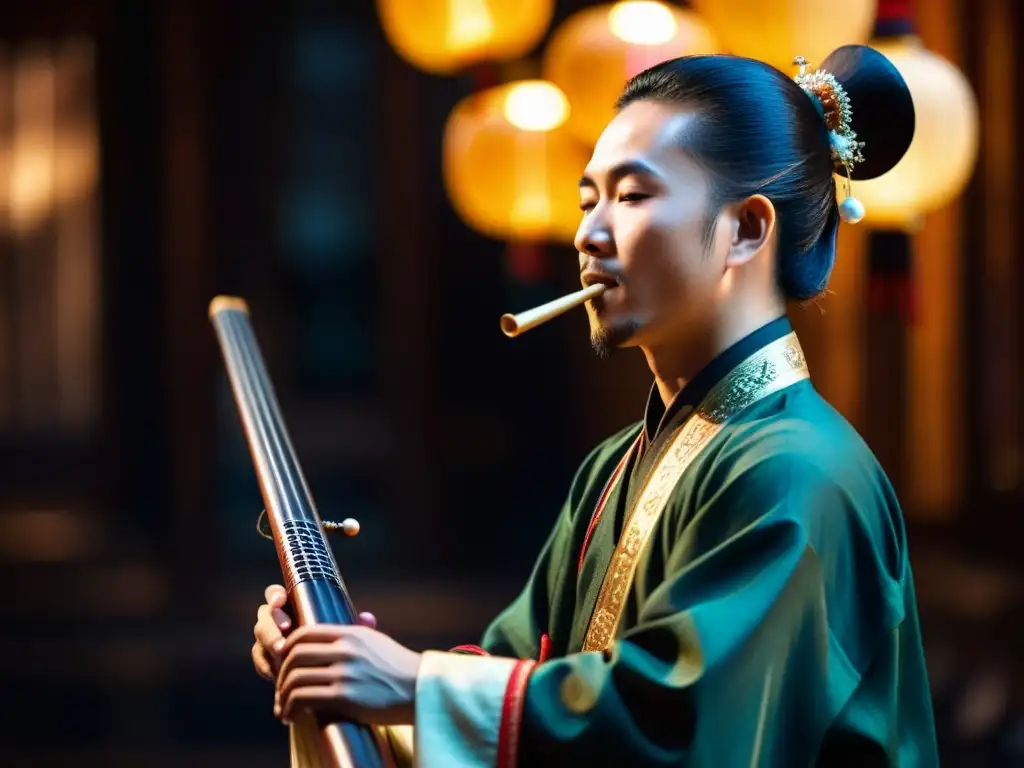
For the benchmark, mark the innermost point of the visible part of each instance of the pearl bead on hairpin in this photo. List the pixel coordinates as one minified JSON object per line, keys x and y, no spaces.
{"x":838,"y":114}
{"x":851,"y":210}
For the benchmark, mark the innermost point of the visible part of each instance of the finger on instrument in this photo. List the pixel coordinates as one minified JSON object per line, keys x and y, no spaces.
{"x":266,"y":630}
{"x":367,"y":619}
{"x":316,"y":633}
{"x":312,"y":655}
{"x":303,"y":678}
{"x":310,"y":697}
{"x":261,"y":662}
{"x":276,"y":596}
{"x":282,"y":619}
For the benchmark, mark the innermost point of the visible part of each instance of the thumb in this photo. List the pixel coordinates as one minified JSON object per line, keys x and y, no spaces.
{"x":367,"y":619}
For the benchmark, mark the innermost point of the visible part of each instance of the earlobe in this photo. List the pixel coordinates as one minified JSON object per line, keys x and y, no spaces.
{"x":753,"y":229}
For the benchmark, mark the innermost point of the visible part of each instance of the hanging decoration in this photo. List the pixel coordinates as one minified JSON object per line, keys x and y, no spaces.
{"x":777,"y":31}
{"x":445,"y":37}
{"x":942,"y":156}
{"x":510,"y":168}
{"x":595,"y":51}
{"x":935,"y":168}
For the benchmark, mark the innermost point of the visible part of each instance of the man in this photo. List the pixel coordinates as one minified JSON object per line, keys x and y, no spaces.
{"x":728,"y":583}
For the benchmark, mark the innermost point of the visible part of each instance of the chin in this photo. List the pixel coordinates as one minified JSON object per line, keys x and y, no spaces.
{"x":607,"y":337}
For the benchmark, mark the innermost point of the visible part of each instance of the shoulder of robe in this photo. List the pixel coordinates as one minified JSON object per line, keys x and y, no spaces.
{"x":594,"y":471}
{"x":817,"y":445}
{"x":832,"y":483}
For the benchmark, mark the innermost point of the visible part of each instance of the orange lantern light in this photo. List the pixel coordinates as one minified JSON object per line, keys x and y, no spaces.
{"x":443,"y":37}
{"x":596,"y":50}
{"x":779,"y":31}
{"x":941,"y":158}
{"x":510,"y":169}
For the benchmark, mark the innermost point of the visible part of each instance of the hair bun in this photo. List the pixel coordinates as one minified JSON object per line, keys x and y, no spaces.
{"x":881,"y":106}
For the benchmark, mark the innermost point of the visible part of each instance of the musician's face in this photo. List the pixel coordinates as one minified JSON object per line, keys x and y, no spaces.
{"x":645,"y":225}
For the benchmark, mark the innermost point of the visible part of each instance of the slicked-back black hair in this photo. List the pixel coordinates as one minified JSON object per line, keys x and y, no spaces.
{"x":758,"y":132}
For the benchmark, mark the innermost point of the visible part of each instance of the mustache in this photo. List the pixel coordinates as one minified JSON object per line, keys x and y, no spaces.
{"x":601,"y":270}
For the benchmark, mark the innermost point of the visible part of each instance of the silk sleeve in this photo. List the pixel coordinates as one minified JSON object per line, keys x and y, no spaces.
{"x":733,"y":661}
{"x":464,"y":715}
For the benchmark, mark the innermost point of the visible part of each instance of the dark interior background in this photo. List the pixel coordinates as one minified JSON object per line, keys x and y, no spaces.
{"x":282,"y":152}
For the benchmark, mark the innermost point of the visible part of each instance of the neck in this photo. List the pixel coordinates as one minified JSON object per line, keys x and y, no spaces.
{"x":675,"y":364}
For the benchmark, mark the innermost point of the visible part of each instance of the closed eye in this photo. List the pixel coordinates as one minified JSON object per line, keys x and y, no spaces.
{"x":629,"y":197}
{"x":633,"y":197}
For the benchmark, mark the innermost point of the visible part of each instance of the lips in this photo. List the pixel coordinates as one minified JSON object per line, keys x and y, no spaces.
{"x":589,"y":277}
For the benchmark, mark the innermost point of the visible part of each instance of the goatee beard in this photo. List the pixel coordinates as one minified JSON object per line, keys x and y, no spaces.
{"x":599,"y":343}
{"x":605,"y":341}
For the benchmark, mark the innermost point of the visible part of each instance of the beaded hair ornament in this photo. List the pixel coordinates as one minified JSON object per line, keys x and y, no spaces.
{"x":835,"y":108}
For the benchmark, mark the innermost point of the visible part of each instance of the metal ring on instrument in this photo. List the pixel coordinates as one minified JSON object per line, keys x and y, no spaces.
{"x":328,"y":525}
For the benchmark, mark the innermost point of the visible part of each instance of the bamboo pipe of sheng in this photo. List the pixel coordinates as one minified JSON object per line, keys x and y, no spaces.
{"x":513,"y":325}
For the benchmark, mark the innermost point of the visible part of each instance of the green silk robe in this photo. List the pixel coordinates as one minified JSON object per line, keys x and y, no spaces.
{"x":772,"y":618}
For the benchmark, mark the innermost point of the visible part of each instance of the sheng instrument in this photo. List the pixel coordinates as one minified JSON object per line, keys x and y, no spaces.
{"x":316,"y":591}
{"x":513,"y":325}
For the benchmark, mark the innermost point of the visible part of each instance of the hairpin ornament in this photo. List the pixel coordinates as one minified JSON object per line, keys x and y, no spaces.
{"x":838,"y":114}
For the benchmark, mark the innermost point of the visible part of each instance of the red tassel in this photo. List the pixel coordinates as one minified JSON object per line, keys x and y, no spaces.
{"x":484,"y":76}
{"x":910,"y":306}
{"x":894,"y":10}
{"x":894,"y":293}
{"x":528,"y":262}
{"x":894,"y":19}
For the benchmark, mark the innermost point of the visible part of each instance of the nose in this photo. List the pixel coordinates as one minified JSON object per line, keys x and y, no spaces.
{"x":594,"y":236}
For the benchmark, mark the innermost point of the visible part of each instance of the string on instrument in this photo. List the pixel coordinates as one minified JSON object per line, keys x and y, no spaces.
{"x":316,"y":592}
{"x":349,"y":526}
{"x":259,"y":526}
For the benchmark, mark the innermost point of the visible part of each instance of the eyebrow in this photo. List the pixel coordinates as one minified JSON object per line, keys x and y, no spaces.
{"x":620,"y":171}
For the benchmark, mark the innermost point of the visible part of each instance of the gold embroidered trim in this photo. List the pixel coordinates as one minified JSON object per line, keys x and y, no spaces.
{"x":770,"y":369}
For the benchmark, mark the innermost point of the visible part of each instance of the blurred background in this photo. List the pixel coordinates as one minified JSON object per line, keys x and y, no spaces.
{"x":381,"y":181}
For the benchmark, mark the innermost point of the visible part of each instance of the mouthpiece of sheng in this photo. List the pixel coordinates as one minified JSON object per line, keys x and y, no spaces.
{"x":225,"y":303}
{"x":513,"y":325}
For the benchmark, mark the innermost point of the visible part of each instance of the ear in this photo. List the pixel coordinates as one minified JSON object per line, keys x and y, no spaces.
{"x":752,"y":228}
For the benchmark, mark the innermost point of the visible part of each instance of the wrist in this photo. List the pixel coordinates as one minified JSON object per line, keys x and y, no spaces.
{"x":410,"y":681}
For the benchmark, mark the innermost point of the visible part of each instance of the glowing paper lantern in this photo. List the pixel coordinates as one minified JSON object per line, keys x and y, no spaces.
{"x":779,"y":31}
{"x":942,"y":155}
{"x":510,"y":169}
{"x":595,"y":51}
{"x":445,"y":36}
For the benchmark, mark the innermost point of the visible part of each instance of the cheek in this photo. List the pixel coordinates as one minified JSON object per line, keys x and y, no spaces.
{"x":662,"y":253}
